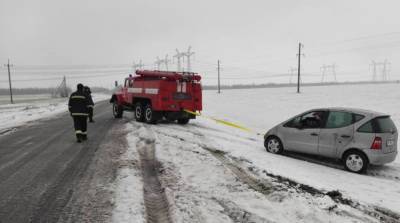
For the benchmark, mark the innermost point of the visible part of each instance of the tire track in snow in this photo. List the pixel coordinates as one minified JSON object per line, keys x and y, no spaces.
{"x":233,"y":164}
{"x":156,"y":203}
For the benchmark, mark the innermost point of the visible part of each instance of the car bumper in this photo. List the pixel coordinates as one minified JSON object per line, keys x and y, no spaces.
{"x":379,"y":159}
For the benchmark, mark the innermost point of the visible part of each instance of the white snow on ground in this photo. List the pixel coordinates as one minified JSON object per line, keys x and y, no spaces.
{"x":129,"y":204}
{"x":202,"y":189}
{"x":261,"y":109}
{"x":13,"y":115}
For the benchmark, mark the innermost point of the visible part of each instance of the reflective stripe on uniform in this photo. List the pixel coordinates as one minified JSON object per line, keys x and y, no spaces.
{"x":90,"y":106}
{"x":78,"y":132}
{"x":78,"y":97}
{"x":83,"y":133}
{"x":79,"y":114}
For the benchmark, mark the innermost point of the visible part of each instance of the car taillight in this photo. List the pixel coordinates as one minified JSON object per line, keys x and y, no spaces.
{"x":377,"y":144}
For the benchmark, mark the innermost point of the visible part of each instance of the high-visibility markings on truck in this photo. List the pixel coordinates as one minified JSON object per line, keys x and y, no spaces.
{"x":151,"y":91}
{"x":134,"y":90}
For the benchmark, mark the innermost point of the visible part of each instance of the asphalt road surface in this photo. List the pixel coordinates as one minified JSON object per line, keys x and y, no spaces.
{"x":46,"y":176}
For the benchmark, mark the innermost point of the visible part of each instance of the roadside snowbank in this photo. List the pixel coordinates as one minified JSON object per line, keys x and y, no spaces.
{"x":13,"y":115}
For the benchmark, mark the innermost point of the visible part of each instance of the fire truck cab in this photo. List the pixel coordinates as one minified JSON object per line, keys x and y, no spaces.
{"x":154,"y":95}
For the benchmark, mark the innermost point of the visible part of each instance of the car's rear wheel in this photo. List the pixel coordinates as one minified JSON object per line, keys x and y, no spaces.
{"x":139,"y":114}
{"x":355,"y":161}
{"x":273,"y":145}
{"x":150,"y":116}
{"x":117,"y":110}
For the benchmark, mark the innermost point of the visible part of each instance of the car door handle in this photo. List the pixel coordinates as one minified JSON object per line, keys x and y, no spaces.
{"x":314,"y":134}
{"x":345,"y":136}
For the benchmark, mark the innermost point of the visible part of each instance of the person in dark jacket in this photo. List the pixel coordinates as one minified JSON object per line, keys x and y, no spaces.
{"x":78,"y":107}
{"x":91,"y":104}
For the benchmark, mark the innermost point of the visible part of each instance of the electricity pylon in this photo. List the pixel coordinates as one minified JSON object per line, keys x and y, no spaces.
{"x":326,"y":69}
{"x":188,"y":54}
{"x":384,"y":70}
{"x":178,"y":57}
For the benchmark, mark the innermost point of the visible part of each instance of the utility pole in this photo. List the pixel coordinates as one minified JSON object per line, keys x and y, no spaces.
{"x":298,"y":67}
{"x":188,"y":54}
{"x":219,"y":82}
{"x":8,"y":65}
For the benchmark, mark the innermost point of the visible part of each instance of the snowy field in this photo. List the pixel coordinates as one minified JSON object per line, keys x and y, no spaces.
{"x":208,"y":170}
{"x":29,"y":108}
{"x":203,"y":187}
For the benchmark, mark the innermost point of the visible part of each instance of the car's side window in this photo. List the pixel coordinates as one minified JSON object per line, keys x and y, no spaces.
{"x":312,"y":120}
{"x":339,"y":119}
{"x":367,"y":128}
{"x":358,"y":117}
{"x":294,"y":123}
{"x":307,"y":121}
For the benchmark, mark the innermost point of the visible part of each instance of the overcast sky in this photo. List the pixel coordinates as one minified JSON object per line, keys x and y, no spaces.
{"x":249,"y":37}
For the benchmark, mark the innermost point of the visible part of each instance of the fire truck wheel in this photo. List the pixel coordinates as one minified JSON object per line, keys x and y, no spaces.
{"x":183,"y":121}
{"x":117,"y":110}
{"x":139,"y":116}
{"x":150,"y":116}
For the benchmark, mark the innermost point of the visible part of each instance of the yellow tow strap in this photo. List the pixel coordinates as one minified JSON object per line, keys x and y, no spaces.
{"x":221,"y":121}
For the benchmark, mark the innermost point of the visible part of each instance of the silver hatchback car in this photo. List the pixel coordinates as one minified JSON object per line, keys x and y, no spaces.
{"x":355,"y":136}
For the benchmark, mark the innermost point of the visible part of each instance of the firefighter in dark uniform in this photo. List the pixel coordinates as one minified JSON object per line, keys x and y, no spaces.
{"x":91,"y":104}
{"x":78,"y":107}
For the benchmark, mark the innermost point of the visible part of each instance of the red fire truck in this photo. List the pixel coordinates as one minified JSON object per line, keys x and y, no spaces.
{"x":154,"y":95}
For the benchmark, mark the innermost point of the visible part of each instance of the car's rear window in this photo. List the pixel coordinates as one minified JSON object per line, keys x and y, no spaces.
{"x":378,"y":125}
{"x":384,"y":125}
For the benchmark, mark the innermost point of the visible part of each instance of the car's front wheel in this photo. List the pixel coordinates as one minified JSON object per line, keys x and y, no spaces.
{"x":355,"y":161}
{"x":273,"y":145}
